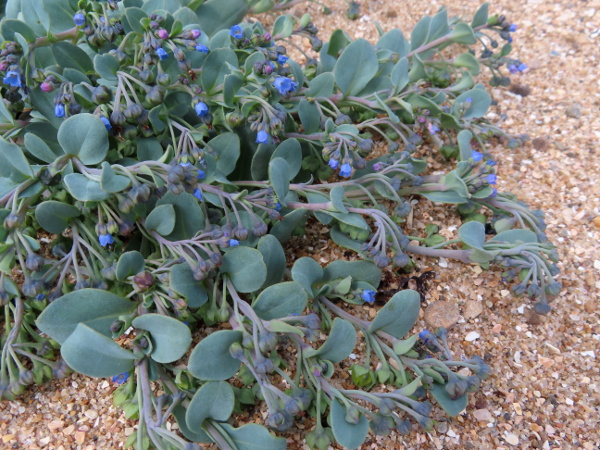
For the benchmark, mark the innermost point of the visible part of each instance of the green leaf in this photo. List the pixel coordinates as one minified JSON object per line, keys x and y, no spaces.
{"x":456,"y":190}
{"x":280,"y":300}
{"x":215,"y":15}
{"x":356,"y":66}
{"x":35,"y":16}
{"x":279,"y":177}
{"x":40,"y":149}
{"x":189,"y":218}
{"x":111,"y":182}
{"x":211,"y":360}
{"x":338,"y":41}
{"x":96,"y":308}
{"x":338,"y":345}
{"x":245,"y":268}
{"x":13,"y":163}
{"x":129,"y":264}
{"x":106,"y":65}
{"x":358,"y":270}
{"x":284,"y":228}
{"x":195,"y":436}
{"x":10,"y":27}
{"x":60,"y":14}
{"x":84,"y":136}
{"x":477,"y":107}
{"x":84,"y":189}
{"x":216,"y":66}
{"x":473,"y":234}
{"x":227,"y":146}
{"x":132,"y":18}
{"x":348,"y":435}
{"x":214,"y":400}
{"x":464,"y":144}
{"x":183,"y":282}
{"x":481,"y":16}
{"x":54,"y":217}
{"x":395,"y":41}
{"x":398,"y":315}
{"x":463,"y":34}
{"x":399,"y":76}
{"x":337,"y":195}
{"x":309,"y":116}
{"x":69,"y":55}
{"x":150,"y":149}
{"x":420,"y":32}
{"x":161,"y":220}
{"x":306,"y":272}
{"x":438,"y":26}
{"x":321,"y":86}
{"x":283,"y":27}
{"x":170,"y":337}
{"x":274,"y":258}
{"x":88,"y":352}
{"x":254,"y":437}
{"x":343,"y":240}
{"x":452,"y":407}
{"x":291,"y":151}
{"x":468,"y":61}
{"x":516,"y":236}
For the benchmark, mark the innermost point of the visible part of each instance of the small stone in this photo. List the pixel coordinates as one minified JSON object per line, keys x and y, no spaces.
{"x":69,"y":430}
{"x":573,"y":110}
{"x":540,"y":144}
{"x":589,"y":306}
{"x":79,"y":437}
{"x":520,"y":89}
{"x":91,"y":414}
{"x":55,"y":425}
{"x":442,"y":427}
{"x":472,"y":336}
{"x":442,"y":314}
{"x":512,"y":439}
{"x":473,"y":309}
{"x":532,"y":318}
{"x":596,"y":221}
{"x":483,"y":415}
{"x":7,"y":438}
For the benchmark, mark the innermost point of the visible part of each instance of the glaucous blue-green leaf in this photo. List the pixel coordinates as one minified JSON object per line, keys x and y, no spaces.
{"x":358,"y":270}
{"x":5,"y":115}
{"x":54,"y":217}
{"x":195,"y":436}
{"x":395,"y":41}
{"x":215,"y":15}
{"x":161,"y":219}
{"x":464,"y":144}
{"x":309,"y":116}
{"x":214,"y":400}
{"x":274,"y":258}
{"x":279,"y":176}
{"x":283,"y":229}
{"x":96,"y":308}
{"x":480,"y":102}
{"x":60,"y":14}
{"x":170,"y":337}
{"x":131,"y":19}
{"x":420,"y":32}
{"x":245,"y":268}
{"x":110,"y":181}
{"x":254,"y":437}
{"x":259,"y":166}
{"x":149,"y":149}
{"x":69,"y":55}
{"x":283,"y":27}
{"x":337,"y":195}
{"x":106,"y":65}
{"x":36,"y":16}
{"x":468,"y":61}
{"x":338,"y":41}
{"x":93,"y":354}
{"x":84,"y":136}
{"x":463,"y":34}
{"x":349,"y":435}
{"x":211,"y":361}
{"x":227,"y":147}
{"x":438,"y":26}
{"x":297,"y":72}
{"x":291,"y":151}
{"x":399,"y":75}
{"x":84,"y":189}
{"x":456,"y":190}
{"x":216,"y":66}
{"x":13,"y":163}
{"x":398,"y":315}
{"x":472,"y":233}
{"x":481,"y":16}
{"x":280,"y":300}
{"x":232,"y":83}
{"x":452,"y":407}
{"x":481,"y":256}
{"x":321,"y":86}
{"x":343,"y":240}
{"x":516,"y":236}
{"x":129,"y":264}
{"x":356,"y":66}
{"x":10,"y":27}
{"x":338,"y":345}
{"x":306,"y":272}
{"x":189,"y":218}
{"x":40,"y":149}
{"x":183,"y":282}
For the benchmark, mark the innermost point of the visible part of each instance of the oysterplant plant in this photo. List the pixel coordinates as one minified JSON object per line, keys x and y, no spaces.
{"x":155,"y":157}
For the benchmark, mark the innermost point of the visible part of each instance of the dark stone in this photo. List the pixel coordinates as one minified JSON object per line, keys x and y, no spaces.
{"x":520,"y":89}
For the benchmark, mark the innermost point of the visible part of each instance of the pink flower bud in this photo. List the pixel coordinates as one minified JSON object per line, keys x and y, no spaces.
{"x":195,"y":34}
{"x":162,"y":34}
{"x":46,"y":87}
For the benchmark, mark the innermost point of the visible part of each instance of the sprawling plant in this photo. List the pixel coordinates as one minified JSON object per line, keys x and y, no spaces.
{"x":156,"y":154}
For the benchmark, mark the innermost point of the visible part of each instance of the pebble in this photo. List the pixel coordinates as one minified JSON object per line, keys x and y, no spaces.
{"x":442,"y":314}
{"x":472,"y":336}
{"x":520,"y":89}
{"x":573,"y":110}
{"x":512,"y":439}
{"x":473,"y":309}
{"x":540,"y":144}
{"x":91,"y":414}
{"x":483,"y":415}
{"x":596,"y":221}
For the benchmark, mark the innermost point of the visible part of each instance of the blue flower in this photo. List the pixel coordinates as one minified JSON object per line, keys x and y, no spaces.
{"x":509,"y":40}
{"x":477,"y":156}
{"x":262,"y":137}
{"x":346,"y":170}
{"x":198,"y":194}
{"x":284,"y":85}
{"x":237,"y":32}
{"x":201,"y":48}
{"x":333,"y":163}
{"x":425,"y":336}
{"x":162,"y":54}
{"x":120,"y":379}
{"x":282,"y":59}
{"x":522,"y":67}
{"x":513,"y":69}
{"x":106,"y":123}
{"x":491,"y":162}
{"x":40,"y":297}
{"x":512,"y":28}
{"x":59,"y":110}
{"x":201,"y":174}
{"x":368,"y":296}
{"x":201,"y":109}
{"x":277,"y":206}
{"x":12,"y":78}
{"x":79,"y":19}
{"x":234,"y":242}
{"x":106,"y":239}
{"x":491,"y":178}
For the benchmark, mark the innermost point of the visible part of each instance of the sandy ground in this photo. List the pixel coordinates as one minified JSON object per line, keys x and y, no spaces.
{"x":545,"y":386}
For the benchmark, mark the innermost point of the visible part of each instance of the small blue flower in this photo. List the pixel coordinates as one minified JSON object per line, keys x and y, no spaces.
{"x":522,"y":67}
{"x":425,"y":336}
{"x":79,"y":19}
{"x":491,"y":178}
{"x":237,"y":32}
{"x":277,"y":206}
{"x":162,"y":54}
{"x":201,"y":109}
{"x":512,"y":28}
{"x":346,"y":170}
{"x":284,"y":85}
{"x":234,"y":242}
{"x":477,"y":156}
{"x":491,"y":162}
{"x":201,"y":174}
{"x":106,"y":239}
{"x":106,"y":123}
{"x":333,"y":163}
{"x":262,"y":137}
{"x":513,"y":69}
{"x":59,"y":110}
{"x":40,"y":297}
{"x":494,"y":192}
{"x":282,"y":59}
{"x":368,"y":296}
{"x":377,"y":166}
{"x":120,"y":379}
{"x":509,"y":40}
{"x":201,"y":48}
{"x":433,"y":128}
{"x":12,"y":78}
{"x":198,"y":194}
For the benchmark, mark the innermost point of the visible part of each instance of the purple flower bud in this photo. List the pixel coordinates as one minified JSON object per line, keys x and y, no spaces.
{"x":162,"y":34}
{"x":513,"y":69}
{"x":237,"y":32}
{"x":195,"y":33}
{"x":79,"y":19}
{"x":201,"y":48}
{"x":346,"y":170}
{"x":368,"y":296}
{"x":162,"y":54}
{"x":262,"y":137}
{"x":377,"y":167}
{"x":46,"y":87}
{"x":201,"y":109}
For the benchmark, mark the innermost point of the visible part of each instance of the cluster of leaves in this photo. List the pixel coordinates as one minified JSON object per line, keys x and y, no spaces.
{"x":169,"y":151}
